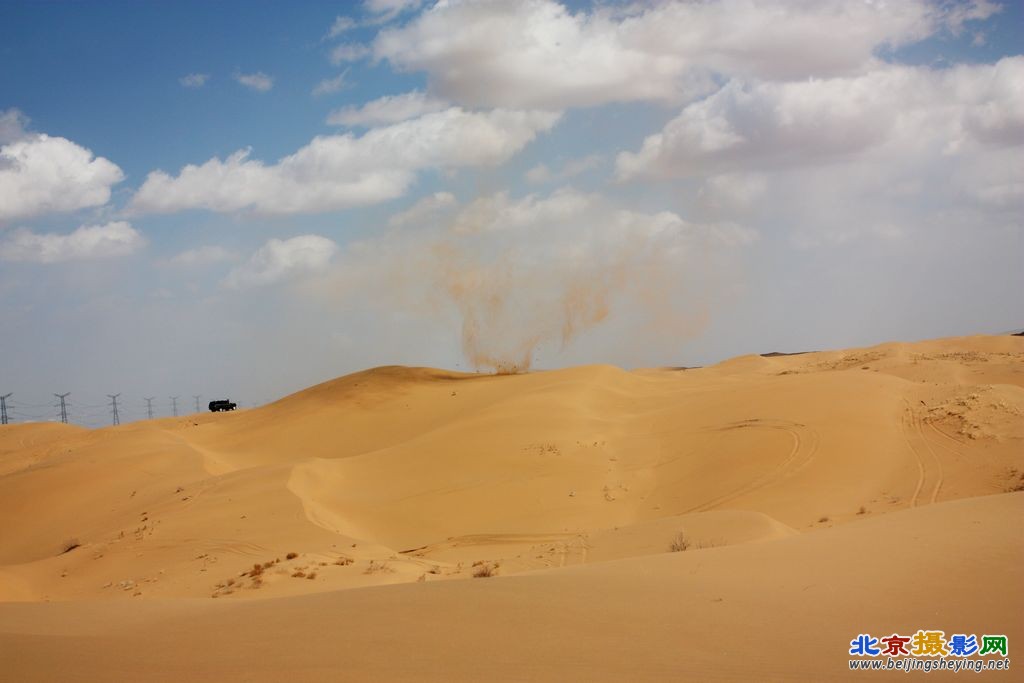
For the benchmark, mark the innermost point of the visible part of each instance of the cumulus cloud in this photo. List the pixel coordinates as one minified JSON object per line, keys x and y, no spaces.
{"x":259,"y":81}
{"x":202,"y":256}
{"x":280,"y":260}
{"x":770,"y":124}
{"x":340,"y":171}
{"x":42,"y":174}
{"x":387,"y":109}
{"x":194,"y":80}
{"x":538,"y":53}
{"x":88,"y":242}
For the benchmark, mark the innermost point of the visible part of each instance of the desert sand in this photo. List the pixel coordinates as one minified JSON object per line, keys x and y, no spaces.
{"x":419,"y":524}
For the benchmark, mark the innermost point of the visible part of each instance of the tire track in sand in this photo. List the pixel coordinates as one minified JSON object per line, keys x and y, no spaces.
{"x":798,"y":458}
{"x":910,"y":427}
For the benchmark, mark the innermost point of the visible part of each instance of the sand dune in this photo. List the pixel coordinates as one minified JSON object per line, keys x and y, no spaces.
{"x":818,"y":495}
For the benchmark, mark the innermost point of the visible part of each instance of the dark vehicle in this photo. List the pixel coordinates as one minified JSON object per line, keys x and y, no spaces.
{"x":225,"y":404}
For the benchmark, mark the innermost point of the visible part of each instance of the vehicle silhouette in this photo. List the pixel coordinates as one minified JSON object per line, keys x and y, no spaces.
{"x":222,"y":405}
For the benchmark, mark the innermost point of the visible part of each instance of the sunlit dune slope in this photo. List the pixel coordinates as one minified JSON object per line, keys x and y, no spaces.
{"x":758,"y":611}
{"x":426,"y":473}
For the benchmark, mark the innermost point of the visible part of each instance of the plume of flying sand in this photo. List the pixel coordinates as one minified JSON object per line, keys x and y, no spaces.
{"x":524,"y":274}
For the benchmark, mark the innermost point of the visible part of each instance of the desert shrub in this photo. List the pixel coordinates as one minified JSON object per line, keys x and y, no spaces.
{"x":291,"y":556}
{"x":484,"y":571}
{"x":680,"y":543}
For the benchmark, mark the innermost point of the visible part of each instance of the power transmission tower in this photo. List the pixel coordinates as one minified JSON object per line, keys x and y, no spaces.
{"x":149,"y":406}
{"x":197,"y":397}
{"x":3,"y":408}
{"x":113,"y":406}
{"x":63,"y":407}
{"x":174,"y":405}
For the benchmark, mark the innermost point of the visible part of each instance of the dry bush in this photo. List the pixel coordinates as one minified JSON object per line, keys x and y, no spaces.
{"x":343,"y":561}
{"x":291,"y":556}
{"x":299,"y":575}
{"x":485,"y":570}
{"x":862,"y":511}
{"x":375,"y":567}
{"x":823,"y":519}
{"x":311,"y":576}
{"x":680,"y":543}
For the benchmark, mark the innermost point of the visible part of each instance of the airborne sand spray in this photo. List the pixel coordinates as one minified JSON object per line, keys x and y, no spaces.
{"x":537,"y":271}
{"x":508,"y":307}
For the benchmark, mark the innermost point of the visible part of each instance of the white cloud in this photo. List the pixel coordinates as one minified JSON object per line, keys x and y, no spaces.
{"x":540,"y":54}
{"x":570,"y":220}
{"x":339,"y":171}
{"x":202,"y":256}
{"x":995,"y":95}
{"x":86,"y":243}
{"x":194,"y":80}
{"x":12,"y":125}
{"x":331,"y":85}
{"x":341,"y":25}
{"x":768,"y":124}
{"x":542,"y":173}
{"x":280,"y":260}
{"x":259,"y":81}
{"x":386,"y":10}
{"x":387,"y":109}
{"x":349,"y":52}
{"x":42,"y":174}
{"x":428,"y":206}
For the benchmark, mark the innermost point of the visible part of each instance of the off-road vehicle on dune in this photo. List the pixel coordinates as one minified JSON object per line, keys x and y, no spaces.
{"x":222,"y":405}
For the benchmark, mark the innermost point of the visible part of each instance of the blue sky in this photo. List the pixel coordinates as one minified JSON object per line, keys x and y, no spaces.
{"x":459,"y":185}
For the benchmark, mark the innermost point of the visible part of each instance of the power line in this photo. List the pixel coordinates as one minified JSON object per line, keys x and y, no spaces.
{"x":3,"y":407}
{"x":197,"y":397}
{"x":174,"y":405}
{"x":113,"y":406}
{"x":149,"y":406}
{"x":63,"y":407}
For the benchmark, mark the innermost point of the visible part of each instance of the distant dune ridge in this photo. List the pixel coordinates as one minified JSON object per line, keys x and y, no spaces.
{"x":739,"y":521}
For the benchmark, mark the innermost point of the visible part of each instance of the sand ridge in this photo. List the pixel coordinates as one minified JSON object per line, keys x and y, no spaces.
{"x":360,"y":490}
